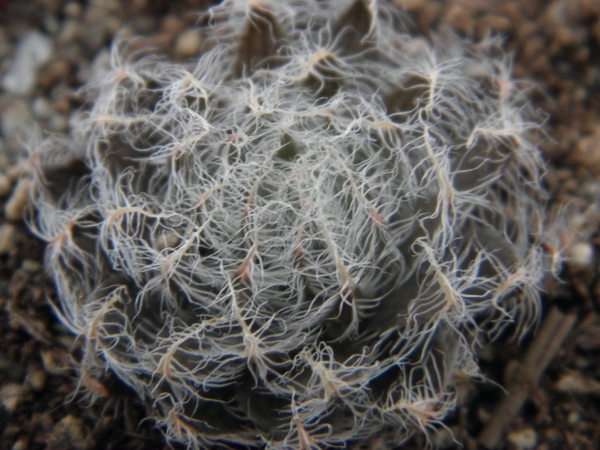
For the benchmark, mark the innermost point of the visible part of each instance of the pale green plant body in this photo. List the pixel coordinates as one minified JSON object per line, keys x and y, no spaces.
{"x":298,"y":243}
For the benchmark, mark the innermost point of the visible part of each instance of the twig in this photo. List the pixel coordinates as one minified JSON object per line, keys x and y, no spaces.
{"x":554,"y":330}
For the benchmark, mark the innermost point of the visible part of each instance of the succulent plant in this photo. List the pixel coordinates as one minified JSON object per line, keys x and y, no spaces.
{"x":300,"y":239}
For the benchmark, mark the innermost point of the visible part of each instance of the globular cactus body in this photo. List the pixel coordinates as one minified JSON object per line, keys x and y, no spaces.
{"x":298,"y":241}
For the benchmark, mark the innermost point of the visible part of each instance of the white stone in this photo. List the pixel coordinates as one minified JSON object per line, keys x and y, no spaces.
{"x":33,"y":49}
{"x":581,"y":254}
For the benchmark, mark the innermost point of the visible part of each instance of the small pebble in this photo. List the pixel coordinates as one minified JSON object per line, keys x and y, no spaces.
{"x":5,"y":185}
{"x":52,"y":364}
{"x":172,"y":24}
{"x":11,"y":394}
{"x":523,"y":439}
{"x":70,"y":433}
{"x":31,"y":266}
{"x":573,"y":417}
{"x":35,"y":377}
{"x":7,"y":238}
{"x":188,"y":43}
{"x":577,"y":384}
{"x":14,"y":207}
{"x":21,"y":444}
{"x":580,"y":254}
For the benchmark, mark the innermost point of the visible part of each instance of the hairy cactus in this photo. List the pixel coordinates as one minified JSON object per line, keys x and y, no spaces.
{"x":299,"y":240}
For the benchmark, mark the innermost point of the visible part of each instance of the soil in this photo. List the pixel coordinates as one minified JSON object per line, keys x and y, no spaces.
{"x":554,"y":45}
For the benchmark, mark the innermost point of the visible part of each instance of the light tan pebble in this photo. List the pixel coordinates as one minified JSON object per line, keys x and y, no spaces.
{"x":5,"y":185}
{"x":577,"y":384}
{"x":70,"y":432}
{"x":35,"y":377}
{"x":7,"y":238}
{"x":14,"y":207}
{"x":31,"y":266}
{"x":11,"y":394}
{"x":580,"y":255}
{"x":172,"y":24}
{"x":523,"y":439}
{"x":21,"y":444}
{"x":573,"y":417}
{"x":68,"y":32}
{"x":52,"y":363}
{"x":188,"y":43}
